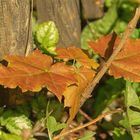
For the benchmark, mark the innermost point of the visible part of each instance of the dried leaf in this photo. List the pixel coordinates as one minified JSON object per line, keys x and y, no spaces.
{"x":126,"y":64}
{"x":35,"y":72}
{"x":38,"y":70}
{"x":84,"y":75}
{"x":73,"y":93}
{"x":77,"y":54}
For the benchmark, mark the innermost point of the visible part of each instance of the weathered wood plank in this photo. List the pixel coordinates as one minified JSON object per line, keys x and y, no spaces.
{"x":14,"y":27}
{"x":92,"y":9}
{"x":15,"y":36}
{"x":66,"y":15}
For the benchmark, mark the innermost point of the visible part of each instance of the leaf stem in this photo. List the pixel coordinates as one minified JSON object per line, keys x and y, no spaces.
{"x":85,"y":115}
{"x":87,"y":124}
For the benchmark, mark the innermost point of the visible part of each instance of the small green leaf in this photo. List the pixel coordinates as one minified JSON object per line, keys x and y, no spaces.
{"x":88,"y":136}
{"x":124,"y":122}
{"x":108,"y":3}
{"x":135,"y":34}
{"x":133,"y":105}
{"x":47,"y":36}
{"x":53,"y":126}
{"x":121,"y":134}
{"x":15,"y":123}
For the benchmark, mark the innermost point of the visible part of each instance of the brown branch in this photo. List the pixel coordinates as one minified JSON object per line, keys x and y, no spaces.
{"x":85,"y":115}
{"x":87,"y":124}
{"x":131,"y":26}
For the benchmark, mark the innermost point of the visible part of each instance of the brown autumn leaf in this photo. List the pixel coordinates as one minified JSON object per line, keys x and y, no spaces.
{"x":35,"y":72}
{"x":38,"y":70}
{"x":73,"y":93}
{"x":127,"y":62}
{"x":77,"y":54}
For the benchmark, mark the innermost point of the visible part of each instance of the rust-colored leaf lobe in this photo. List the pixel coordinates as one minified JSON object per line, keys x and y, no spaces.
{"x":127,"y":62}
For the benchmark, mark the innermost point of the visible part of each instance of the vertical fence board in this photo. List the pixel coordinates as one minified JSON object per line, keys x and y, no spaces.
{"x":66,"y":15}
{"x":14,"y":27}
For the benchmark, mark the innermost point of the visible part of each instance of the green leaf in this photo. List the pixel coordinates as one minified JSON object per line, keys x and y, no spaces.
{"x":88,"y":136}
{"x":124,"y":122}
{"x":54,"y":126}
{"x":15,"y":123}
{"x":6,"y":136}
{"x":120,"y":26}
{"x":133,"y":105}
{"x":121,"y":134}
{"x":47,"y":36}
{"x":136,"y":136}
{"x":108,"y":3}
{"x":126,"y":10}
{"x":135,"y":34}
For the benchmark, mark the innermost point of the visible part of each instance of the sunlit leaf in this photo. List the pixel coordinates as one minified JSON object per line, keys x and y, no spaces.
{"x":74,"y":53}
{"x":15,"y":123}
{"x":35,"y":72}
{"x":73,"y":93}
{"x":126,"y":64}
{"x":133,"y":105}
{"x":47,"y":35}
{"x":53,"y":126}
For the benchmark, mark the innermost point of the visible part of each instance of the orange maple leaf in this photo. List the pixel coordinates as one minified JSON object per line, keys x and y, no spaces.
{"x":38,"y":70}
{"x":35,"y":72}
{"x":77,"y":54}
{"x":84,"y":75}
{"x":127,"y":62}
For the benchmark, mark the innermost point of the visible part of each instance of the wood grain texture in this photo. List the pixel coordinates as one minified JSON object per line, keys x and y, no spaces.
{"x":15,"y":36}
{"x":66,"y":15}
{"x":92,"y":9}
{"x":14,"y":27}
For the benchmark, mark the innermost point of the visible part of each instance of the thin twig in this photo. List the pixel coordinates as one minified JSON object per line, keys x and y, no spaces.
{"x":38,"y":127}
{"x":85,"y":115}
{"x":131,"y":26}
{"x":87,"y":124}
{"x":41,"y":134}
